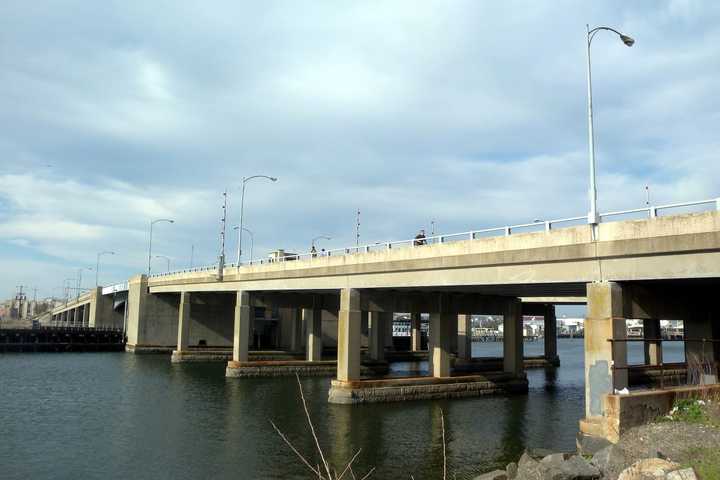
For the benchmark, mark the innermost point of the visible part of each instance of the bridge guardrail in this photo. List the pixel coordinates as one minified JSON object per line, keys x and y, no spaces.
{"x":546,"y":225}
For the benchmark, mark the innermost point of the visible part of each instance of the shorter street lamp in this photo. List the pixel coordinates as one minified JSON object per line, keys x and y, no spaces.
{"x":252,"y":239}
{"x":153,"y":222}
{"x":166,"y":258}
{"x":79,"y":279}
{"x":97,"y":266}
{"x":320,"y":237}
{"x":242,"y":209}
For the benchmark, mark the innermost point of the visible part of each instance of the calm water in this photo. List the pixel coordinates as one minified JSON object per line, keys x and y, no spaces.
{"x":119,"y":416}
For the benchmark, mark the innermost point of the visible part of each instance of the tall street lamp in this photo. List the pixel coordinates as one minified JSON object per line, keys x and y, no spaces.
{"x":252,"y":238}
{"x":97,"y":266}
{"x":166,"y":258}
{"x":593,"y":217}
{"x":242,"y":210}
{"x":153,"y":222}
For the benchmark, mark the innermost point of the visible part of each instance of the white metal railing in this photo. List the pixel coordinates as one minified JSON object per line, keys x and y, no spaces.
{"x":547,"y":225}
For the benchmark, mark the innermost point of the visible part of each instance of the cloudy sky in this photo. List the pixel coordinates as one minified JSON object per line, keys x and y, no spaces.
{"x":471,"y":114}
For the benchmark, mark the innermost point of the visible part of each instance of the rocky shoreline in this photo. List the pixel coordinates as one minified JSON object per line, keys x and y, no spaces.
{"x":656,"y":451}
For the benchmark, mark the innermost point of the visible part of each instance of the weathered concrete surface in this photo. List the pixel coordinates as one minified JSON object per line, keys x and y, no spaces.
{"x":418,"y":388}
{"x":622,"y":412}
{"x":681,"y":246}
{"x":152,"y":319}
{"x":283,"y":368}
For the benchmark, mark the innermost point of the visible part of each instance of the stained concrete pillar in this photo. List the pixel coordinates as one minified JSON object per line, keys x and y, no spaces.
{"x":388,"y":326}
{"x":442,"y":326}
{"x":550,"y":333}
{"x":86,"y":315}
{"x":377,"y":333}
{"x":416,"y":332}
{"x":653,"y":350}
{"x":312,"y":317}
{"x":241,"y":332}
{"x":701,"y":357}
{"x":513,"y":338}
{"x":605,"y":320}
{"x":464,"y":337}
{"x":296,"y":329}
{"x":184,"y":322}
{"x":349,"y":319}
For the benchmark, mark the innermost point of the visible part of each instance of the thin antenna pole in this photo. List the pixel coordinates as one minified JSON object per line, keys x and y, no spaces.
{"x":192,"y":255}
{"x":357,"y":230}
{"x":647,"y":195}
{"x":221,"y":262}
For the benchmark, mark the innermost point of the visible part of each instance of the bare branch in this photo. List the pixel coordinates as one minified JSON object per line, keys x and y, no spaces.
{"x":317,"y":472}
{"x":367,"y":475}
{"x":442,"y":423}
{"x":312,"y":429}
{"x":348,"y":465}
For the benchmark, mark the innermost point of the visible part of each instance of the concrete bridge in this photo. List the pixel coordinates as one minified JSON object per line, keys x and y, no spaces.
{"x":662,"y":267}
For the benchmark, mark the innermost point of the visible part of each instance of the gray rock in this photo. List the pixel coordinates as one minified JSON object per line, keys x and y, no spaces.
{"x":494,"y":475}
{"x":554,"y":459}
{"x":529,"y":468}
{"x":588,"y":445}
{"x":538,"y":453}
{"x":611,"y":460}
{"x":511,"y":470}
{"x":578,"y":468}
{"x":684,"y":474}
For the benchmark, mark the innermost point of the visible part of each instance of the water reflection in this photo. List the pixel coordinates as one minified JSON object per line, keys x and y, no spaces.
{"x":110,"y":416}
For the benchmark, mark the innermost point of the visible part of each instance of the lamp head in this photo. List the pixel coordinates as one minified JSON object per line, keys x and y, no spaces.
{"x":274,"y":179}
{"x":629,"y":41}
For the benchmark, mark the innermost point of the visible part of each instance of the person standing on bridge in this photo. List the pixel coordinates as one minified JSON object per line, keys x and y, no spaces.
{"x":420,"y":238}
{"x":313,"y":251}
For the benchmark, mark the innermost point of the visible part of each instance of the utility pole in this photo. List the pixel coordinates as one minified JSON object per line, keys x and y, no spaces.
{"x":357,"y":229}
{"x":221,"y":260}
{"x":647,"y":195}
{"x":192,"y":255}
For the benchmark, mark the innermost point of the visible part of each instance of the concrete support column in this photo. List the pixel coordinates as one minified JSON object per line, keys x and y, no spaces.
{"x":388,"y":326}
{"x":701,"y":357}
{"x":241,"y":333}
{"x":550,"y":333}
{"x":605,"y":320}
{"x":653,"y":350}
{"x":416,"y":333}
{"x":513,"y":358}
{"x":464,"y":339}
{"x":377,"y":334}
{"x":442,"y":326}
{"x":349,"y":319}
{"x":86,"y":315}
{"x":312,"y":317}
{"x":184,"y":322}
{"x":297,"y":330}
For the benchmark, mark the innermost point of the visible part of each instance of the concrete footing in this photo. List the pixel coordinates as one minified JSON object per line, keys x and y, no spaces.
{"x":421,"y":388}
{"x":142,"y":349}
{"x":283,"y":368}
{"x":225,"y":355}
{"x":490,"y":364}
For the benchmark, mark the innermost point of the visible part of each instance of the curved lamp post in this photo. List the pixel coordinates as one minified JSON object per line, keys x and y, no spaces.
{"x":97,"y":266}
{"x":325,"y":237}
{"x":153,"y":222}
{"x":166,"y":258}
{"x":593,"y":217}
{"x":242,"y":210}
